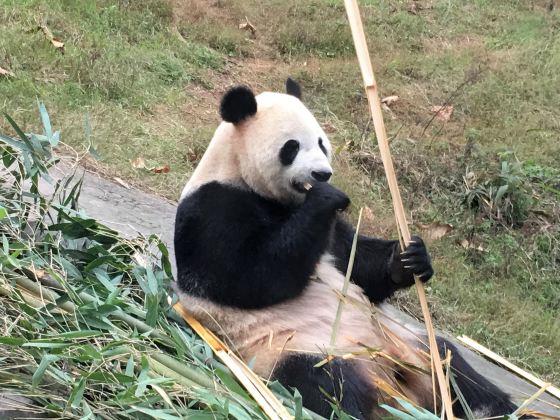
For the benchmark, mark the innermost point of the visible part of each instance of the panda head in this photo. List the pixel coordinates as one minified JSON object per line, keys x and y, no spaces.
{"x":278,"y":144}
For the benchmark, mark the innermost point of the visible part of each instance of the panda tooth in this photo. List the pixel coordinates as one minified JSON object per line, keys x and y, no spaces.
{"x":307,"y":186}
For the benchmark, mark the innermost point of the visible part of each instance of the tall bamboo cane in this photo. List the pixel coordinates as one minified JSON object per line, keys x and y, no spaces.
{"x":372,"y":94}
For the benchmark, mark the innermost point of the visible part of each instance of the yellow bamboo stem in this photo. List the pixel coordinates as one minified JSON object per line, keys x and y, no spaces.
{"x":252,"y":383}
{"x":374,"y":101}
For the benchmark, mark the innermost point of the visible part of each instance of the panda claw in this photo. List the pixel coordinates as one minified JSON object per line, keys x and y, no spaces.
{"x":409,"y":251}
{"x":427,"y":273}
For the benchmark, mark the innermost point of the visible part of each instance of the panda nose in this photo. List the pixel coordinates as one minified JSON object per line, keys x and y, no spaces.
{"x":321,"y":176}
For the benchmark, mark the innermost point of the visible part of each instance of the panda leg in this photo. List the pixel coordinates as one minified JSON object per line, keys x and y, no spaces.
{"x":339,"y":378}
{"x":483,"y":397}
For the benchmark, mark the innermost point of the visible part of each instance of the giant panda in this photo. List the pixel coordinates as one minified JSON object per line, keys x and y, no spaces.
{"x":261,"y":261}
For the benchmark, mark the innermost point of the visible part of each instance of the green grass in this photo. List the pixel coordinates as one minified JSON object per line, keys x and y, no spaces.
{"x":149,"y":74}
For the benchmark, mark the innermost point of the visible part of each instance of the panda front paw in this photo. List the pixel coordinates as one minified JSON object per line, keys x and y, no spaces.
{"x":414,"y":260}
{"x":324,"y":196}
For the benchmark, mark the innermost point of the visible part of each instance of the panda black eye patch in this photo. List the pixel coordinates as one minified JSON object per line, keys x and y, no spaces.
{"x":289,"y":152}
{"x":322,"y":147}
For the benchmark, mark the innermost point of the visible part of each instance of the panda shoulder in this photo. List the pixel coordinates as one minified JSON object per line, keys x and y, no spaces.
{"x":215,"y":199}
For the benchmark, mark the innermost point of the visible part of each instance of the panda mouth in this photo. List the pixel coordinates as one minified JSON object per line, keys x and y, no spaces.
{"x":298,"y":186}
{"x":301,"y":187}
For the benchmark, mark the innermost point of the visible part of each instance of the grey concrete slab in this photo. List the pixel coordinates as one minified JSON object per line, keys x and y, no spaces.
{"x":129,"y":211}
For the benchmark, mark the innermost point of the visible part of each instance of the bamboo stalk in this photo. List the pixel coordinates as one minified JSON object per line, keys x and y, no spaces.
{"x":252,"y":383}
{"x":51,"y":296}
{"x":184,"y":371}
{"x":374,"y":101}
{"x":167,"y":372}
{"x":552,"y":390}
{"x":346,"y":282}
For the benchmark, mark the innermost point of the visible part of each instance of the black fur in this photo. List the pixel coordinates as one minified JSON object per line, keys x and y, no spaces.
{"x":288,"y":152}
{"x":339,"y":379}
{"x":223,"y":234}
{"x":238,"y":104}
{"x":293,"y":88}
{"x":358,"y":397}
{"x":378,"y":268}
{"x":322,"y":147}
{"x":479,"y":393}
{"x":239,"y":249}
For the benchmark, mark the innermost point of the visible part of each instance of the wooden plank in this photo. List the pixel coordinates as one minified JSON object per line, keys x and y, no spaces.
{"x":549,"y":388}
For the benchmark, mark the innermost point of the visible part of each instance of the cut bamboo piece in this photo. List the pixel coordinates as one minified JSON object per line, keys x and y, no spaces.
{"x":549,"y":388}
{"x":252,"y":383}
{"x":530,"y":400}
{"x":374,"y":101}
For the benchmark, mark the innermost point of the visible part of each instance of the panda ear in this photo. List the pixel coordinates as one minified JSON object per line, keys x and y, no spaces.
{"x":238,"y":104}
{"x":293,"y":88}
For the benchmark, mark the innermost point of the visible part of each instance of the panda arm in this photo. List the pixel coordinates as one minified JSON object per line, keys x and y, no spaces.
{"x":378,"y":267}
{"x":239,"y":249}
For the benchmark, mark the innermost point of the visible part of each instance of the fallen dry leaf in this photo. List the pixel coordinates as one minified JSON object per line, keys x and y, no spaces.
{"x":414,"y":8}
{"x":367,"y":215}
{"x":390,"y":100}
{"x":160,"y":169}
{"x":469,"y":245}
{"x":443,"y":112}
{"x":139,"y":163}
{"x":248,"y":26}
{"x":436,"y":230}
{"x":4,"y":72}
{"x":57,"y":43}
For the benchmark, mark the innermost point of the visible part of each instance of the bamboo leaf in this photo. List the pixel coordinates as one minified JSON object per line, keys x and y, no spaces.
{"x":53,"y":140}
{"x":500,"y":193}
{"x":42,"y":368}
{"x":72,"y":335}
{"x":77,"y":393}
{"x":20,"y":133}
{"x":232,"y":384}
{"x":130,"y":367}
{"x":156,"y":414}
{"x":46,"y":345}
{"x":12,"y":341}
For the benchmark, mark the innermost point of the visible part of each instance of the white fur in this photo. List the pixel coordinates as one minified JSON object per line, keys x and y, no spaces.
{"x":247,"y":154}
